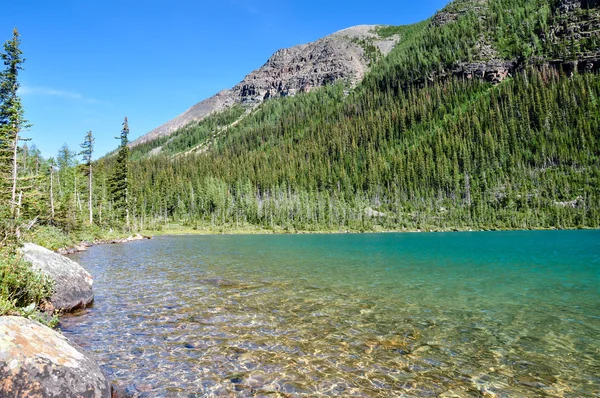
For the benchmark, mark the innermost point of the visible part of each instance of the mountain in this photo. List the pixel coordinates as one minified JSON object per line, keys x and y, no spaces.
{"x":484,"y":116}
{"x":344,"y":55}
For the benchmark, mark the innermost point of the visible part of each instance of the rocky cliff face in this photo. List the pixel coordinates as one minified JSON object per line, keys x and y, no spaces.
{"x":301,"y":68}
{"x":344,"y":56}
{"x":572,"y":5}
{"x":574,"y":21}
{"x":456,"y":9}
{"x":340,"y":56}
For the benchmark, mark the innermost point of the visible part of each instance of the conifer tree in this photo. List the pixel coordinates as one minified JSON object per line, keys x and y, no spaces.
{"x":119,"y":184}
{"x":11,"y":118}
{"x":88,"y":149}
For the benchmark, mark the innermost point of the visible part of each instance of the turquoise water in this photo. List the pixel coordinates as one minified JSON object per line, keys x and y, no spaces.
{"x":459,"y":314}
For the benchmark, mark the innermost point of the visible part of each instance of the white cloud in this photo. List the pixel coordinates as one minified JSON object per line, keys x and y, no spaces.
{"x":28,"y":90}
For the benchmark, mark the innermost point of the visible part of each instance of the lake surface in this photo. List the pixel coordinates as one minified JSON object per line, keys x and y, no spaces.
{"x":460,"y":314}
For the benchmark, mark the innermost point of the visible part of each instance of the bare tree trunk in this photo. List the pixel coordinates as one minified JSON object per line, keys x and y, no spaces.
{"x":127,"y":208}
{"x":90,"y":197}
{"x":14,"y":172}
{"x":103,"y":200}
{"x":52,"y":193}
{"x":76,"y":201}
{"x":19,"y":204}
{"x":25,"y":155}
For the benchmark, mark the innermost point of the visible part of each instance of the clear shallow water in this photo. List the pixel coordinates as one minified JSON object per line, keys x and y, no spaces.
{"x":461,"y":314}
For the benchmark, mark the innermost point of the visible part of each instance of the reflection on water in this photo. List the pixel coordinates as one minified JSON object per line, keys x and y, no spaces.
{"x":480,"y":314}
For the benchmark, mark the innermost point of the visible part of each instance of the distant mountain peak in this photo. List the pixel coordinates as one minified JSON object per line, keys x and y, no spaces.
{"x":344,"y":55}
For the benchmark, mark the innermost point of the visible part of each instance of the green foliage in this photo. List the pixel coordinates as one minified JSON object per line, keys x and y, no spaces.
{"x":371,"y":51}
{"x":87,"y":152}
{"x":20,"y":286}
{"x":457,"y":154}
{"x":517,"y":33}
{"x":54,"y":238}
{"x":8,"y":227}
{"x":22,"y":290}
{"x":119,"y":181}
{"x":386,"y":31}
{"x":50,"y":237}
{"x":87,"y":148}
{"x":412,"y":147}
{"x":11,"y":115}
{"x":196,"y":135}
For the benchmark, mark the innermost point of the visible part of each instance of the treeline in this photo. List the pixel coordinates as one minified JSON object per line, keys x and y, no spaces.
{"x":458,"y":154}
{"x":391,"y":154}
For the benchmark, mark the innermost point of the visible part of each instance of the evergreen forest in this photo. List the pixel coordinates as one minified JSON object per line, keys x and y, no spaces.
{"x":420,"y":144}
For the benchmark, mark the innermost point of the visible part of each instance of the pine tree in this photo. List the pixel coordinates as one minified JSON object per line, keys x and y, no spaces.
{"x":119,"y":183}
{"x":88,"y":149}
{"x":11,"y":119}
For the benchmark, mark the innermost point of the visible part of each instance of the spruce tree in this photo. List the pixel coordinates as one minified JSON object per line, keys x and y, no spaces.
{"x":11,"y":118}
{"x":119,"y":184}
{"x":88,"y":149}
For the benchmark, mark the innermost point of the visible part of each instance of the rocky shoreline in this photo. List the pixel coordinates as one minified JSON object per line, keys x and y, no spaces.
{"x":36,"y":360}
{"x":84,"y":245}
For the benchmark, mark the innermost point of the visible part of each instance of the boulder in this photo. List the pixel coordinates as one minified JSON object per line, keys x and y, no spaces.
{"x":38,"y":361}
{"x":73,"y":284}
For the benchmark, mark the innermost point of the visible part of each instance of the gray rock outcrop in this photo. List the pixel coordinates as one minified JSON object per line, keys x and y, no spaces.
{"x":455,"y":10}
{"x":572,"y":27}
{"x":36,"y":361}
{"x":339,"y":56}
{"x":572,"y":5}
{"x":299,"y":69}
{"x":73,"y":284}
{"x":344,"y":56}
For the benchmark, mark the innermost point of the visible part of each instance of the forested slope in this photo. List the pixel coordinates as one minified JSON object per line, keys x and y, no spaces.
{"x":436,"y":136}
{"x":485,"y":116}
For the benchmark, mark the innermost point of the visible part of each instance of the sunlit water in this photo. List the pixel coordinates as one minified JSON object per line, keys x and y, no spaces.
{"x":501,"y":314}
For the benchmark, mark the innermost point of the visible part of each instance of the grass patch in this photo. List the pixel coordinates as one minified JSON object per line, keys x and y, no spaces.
{"x":22,"y":289}
{"x":54,"y":238}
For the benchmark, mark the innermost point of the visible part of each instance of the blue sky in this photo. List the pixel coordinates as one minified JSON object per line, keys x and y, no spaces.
{"x":91,"y":63}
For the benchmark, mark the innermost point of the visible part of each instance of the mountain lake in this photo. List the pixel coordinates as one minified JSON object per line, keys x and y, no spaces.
{"x":493,"y":314}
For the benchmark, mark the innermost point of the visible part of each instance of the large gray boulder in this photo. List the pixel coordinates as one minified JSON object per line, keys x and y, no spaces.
{"x":73,"y":284}
{"x":36,"y":361}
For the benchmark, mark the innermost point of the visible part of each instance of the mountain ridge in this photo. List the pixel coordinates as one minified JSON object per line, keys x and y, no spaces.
{"x":435,"y":136}
{"x":347,"y":54}
{"x":342,"y":55}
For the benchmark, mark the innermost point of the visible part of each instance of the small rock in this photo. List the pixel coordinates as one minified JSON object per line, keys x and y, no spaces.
{"x":80,"y":248}
{"x":143,"y":387}
{"x":118,"y":391}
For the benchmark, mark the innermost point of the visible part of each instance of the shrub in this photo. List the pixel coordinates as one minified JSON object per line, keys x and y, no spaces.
{"x":21,"y":287}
